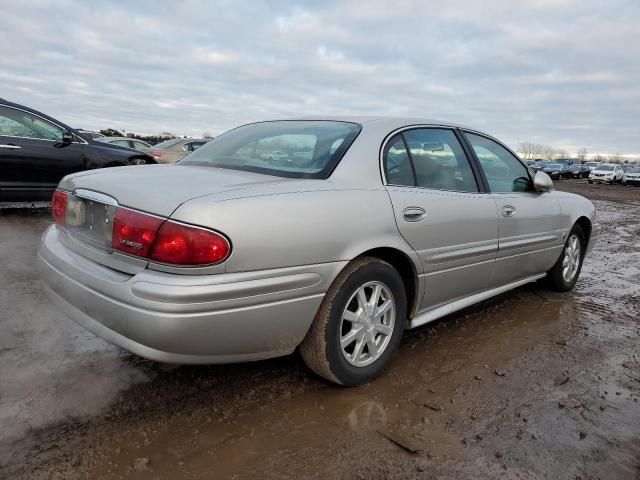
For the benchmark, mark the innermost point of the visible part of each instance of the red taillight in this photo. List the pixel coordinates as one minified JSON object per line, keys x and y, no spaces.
{"x":156,"y":154}
{"x":134,"y":232}
{"x":184,"y":245}
{"x":59,"y":206}
{"x":166,"y":241}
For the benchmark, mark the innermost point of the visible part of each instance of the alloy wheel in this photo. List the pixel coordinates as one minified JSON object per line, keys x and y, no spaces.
{"x":571,"y":260}
{"x":367,"y":324}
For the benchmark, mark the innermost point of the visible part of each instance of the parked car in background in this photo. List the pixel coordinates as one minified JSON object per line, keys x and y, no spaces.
{"x":170,"y":151}
{"x":592,"y":165}
{"x":88,"y":134}
{"x":565,"y":161}
{"x":127,"y":142}
{"x":606,"y":173}
{"x":632,"y":176}
{"x":557,"y":170}
{"x":538,"y":165}
{"x":383,"y":224}
{"x":36,"y":151}
{"x":579,"y":170}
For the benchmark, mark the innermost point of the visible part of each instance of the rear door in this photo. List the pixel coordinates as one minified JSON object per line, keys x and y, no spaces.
{"x":442,"y":212}
{"x":33,"y":158}
{"x":531,"y":233}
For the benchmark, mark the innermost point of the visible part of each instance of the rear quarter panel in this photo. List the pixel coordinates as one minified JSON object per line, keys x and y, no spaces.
{"x":298,"y":228}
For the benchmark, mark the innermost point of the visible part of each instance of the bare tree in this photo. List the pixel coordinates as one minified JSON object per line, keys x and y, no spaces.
{"x":582,"y":155}
{"x":615,"y":158}
{"x":599,"y":158}
{"x":559,"y":154}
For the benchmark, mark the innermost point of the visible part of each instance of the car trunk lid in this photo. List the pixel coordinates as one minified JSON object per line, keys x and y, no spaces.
{"x":160,"y":189}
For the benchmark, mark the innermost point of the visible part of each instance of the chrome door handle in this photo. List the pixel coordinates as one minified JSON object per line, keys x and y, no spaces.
{"x":414,"y":214}
{"x":10,"y":146}
{"x":508,"y":211}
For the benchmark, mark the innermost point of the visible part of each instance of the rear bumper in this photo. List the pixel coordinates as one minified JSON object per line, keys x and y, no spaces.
{"x":172,"y":318}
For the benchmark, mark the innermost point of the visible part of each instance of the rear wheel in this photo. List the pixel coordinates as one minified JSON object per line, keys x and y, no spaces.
{"x":359,"y":324}
{"x":138,"y":161}
{"x":564,"y":274}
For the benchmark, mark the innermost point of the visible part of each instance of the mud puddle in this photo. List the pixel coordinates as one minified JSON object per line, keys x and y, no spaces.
{"x":531,"y":384}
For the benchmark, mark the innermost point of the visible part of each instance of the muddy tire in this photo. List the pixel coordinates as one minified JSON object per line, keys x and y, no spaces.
{"x":564,"y":274}
{"x":359,"y":324}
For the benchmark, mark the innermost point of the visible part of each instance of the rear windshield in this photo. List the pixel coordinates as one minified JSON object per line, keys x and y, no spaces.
{"x":294,"y":149}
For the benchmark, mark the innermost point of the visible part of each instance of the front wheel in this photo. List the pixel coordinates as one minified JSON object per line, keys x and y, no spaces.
{"x":359,"y":324}
{"x":564,"y":274}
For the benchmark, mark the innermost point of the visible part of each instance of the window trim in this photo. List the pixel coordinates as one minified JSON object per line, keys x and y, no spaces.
{"x":463,"y":132}
{"x":480,"y":185}
{"x":78,"y":138}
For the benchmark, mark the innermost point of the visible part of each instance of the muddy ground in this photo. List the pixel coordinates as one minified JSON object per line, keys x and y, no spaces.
{"x":531,"y":384}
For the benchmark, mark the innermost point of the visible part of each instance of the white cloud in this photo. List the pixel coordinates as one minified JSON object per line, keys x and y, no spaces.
{"x":558,"y":71}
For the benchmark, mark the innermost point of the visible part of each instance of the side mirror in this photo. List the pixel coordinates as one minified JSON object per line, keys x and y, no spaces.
{"x":542,"y":182}
{"x":67,"y":137}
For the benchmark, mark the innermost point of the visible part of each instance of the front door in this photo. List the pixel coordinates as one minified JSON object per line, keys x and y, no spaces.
{"x":442,"y":213}
{"x":33,"y":158}
{"x":531,"y":232}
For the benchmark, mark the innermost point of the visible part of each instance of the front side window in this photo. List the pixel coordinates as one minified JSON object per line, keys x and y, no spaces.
{"x":434,"y":156}
{"x":295,"y":149}
{"x":16,"y":123}
{"x":504,"y":172}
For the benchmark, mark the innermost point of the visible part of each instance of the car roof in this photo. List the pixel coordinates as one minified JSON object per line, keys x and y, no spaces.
{"x":391,"y":123}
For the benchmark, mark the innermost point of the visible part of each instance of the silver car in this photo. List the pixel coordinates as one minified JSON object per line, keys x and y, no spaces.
{"x":175,"y":149}
{"x":363,"y":228}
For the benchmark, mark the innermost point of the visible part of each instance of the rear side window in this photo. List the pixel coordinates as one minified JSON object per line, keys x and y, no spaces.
{"x":504,"y":172}
{"x":121,"y":143}
{"x":397,"y":163}
{"x":429,"y":158}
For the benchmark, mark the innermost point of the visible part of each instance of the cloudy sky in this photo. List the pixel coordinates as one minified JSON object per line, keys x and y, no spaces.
{"x":561,"y":72}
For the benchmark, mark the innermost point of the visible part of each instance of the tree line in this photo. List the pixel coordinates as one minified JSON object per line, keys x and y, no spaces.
{"x":152,"y":139}
{"x":538,"y":151}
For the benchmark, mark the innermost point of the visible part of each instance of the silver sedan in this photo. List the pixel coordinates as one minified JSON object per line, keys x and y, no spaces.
{"x":328,"y":235}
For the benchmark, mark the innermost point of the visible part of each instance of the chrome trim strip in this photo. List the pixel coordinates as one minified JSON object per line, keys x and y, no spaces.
{"x":95,"y":196}
{"x":439,"y":312}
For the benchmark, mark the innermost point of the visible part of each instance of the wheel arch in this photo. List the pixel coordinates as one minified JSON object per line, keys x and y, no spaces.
{"x":585,"y":224}
{"x":405,"y":266}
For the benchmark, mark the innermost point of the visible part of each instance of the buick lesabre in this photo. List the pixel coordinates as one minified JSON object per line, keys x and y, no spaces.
{"x":328,"y":235}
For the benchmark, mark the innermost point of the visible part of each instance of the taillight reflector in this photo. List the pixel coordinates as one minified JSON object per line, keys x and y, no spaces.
{"x":59,"y":206}
{"x":134,"y":232}
{"x":180,"y":244}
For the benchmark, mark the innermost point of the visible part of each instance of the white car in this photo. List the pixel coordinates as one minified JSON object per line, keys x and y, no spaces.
{"x":592,"y":165}
{"x":607,"y":172}
{"x":632,"y":177}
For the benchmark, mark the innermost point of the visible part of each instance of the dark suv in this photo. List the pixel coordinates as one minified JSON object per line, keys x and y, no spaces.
{"x":36,"y":151}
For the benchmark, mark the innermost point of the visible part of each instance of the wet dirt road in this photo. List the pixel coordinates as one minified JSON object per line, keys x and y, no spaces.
{"x":531,"y":384}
